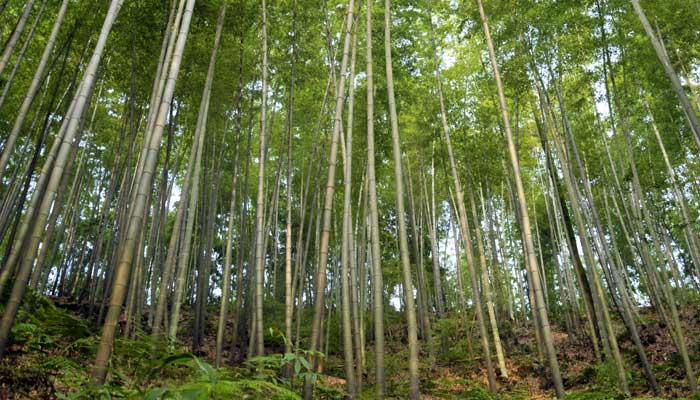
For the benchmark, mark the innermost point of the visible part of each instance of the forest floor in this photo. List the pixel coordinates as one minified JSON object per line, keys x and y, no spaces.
{"x":53,"y":346}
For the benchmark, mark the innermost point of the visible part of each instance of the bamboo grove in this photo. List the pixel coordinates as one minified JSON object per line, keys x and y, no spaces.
{"x":342,"y":160}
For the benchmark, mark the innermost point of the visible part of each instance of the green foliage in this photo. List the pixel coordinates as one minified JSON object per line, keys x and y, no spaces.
{"x":40,"y":311}
{"x":453,"y":336}
{"x":671,"y":371}
{"x":245,"y":389}
{"x":213,"y":384}
{"x":268,"y":367}
{"x":259,"y":377}
{"x":478,"y":394}
{"x":593,"y":394}
{"x":323,"y":391}
{"x":53,"y":347}
{"x":30,"y":336}
{"x":606,"y":376}
{"x":601,"y":378}
{"x":61,"y":346}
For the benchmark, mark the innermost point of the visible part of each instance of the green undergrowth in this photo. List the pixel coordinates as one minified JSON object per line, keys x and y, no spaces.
{"x":52,"y":350}
{"x":594,"y":394}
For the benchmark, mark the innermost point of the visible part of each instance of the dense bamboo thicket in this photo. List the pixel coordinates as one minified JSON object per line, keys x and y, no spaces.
{"x":386,"y":194}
